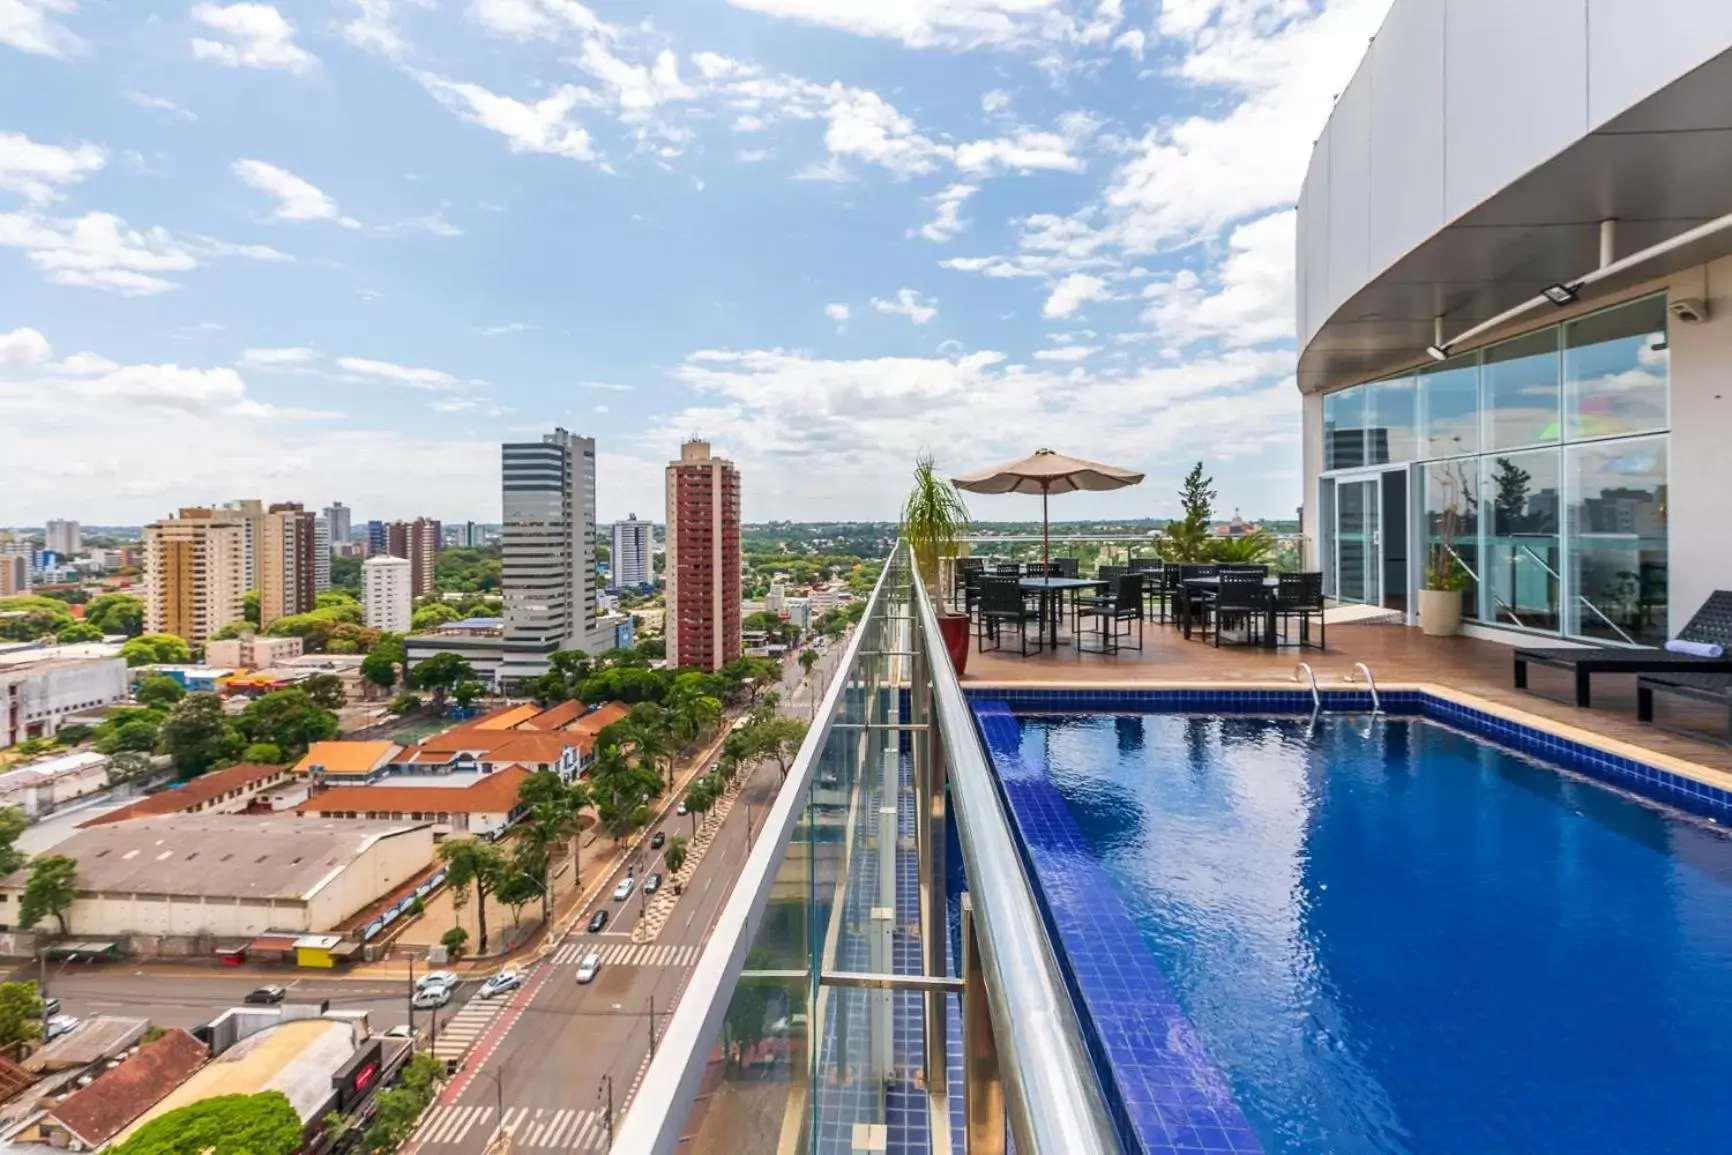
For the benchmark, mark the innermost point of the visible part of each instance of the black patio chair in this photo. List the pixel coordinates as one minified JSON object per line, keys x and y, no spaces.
{"x":1064,"y":567}
{"x":1712,"y":625}
{"x":1002,"y":604}
{"x":1040,"y":569}
{"x":959,"y":576}
{"x":1698,"y":686}
{"x":1194,"y":604}
{"x":1241,"y":600}
{"x":1123,"y":607}
{"x":1300,"y":595}
{"x":971,"y":580}
{"x":1261,"y":571}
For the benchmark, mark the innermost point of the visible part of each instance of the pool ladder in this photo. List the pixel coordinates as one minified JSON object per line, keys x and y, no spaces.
{"x":1311,"y":676}
{"x":1362,"y":668}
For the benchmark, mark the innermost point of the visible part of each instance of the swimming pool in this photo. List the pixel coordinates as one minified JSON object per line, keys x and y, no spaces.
{"x":1369,"y":937}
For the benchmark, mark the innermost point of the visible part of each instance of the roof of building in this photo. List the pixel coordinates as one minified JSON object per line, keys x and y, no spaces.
{"x":195,"y":793}
{"x":600,"y":719}
{"x":209,"y":855}
{"x":98,"y":1037}
{"x":494,"y":793}
{"x":118,"y":1096}
{"x":505,"y":719}
{"x":50,"y":768}
{"x":476,"y":624}
{"x":346,"y":757}
{"x":491,"y":745}
{"x":556,"y":716}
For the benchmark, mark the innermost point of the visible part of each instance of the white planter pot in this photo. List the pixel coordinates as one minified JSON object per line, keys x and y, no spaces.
{"x":1439,"y":612}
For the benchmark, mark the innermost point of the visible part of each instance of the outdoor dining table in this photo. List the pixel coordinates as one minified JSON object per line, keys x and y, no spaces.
{"x":1052,"y":591}
{"x":1270,"y":585}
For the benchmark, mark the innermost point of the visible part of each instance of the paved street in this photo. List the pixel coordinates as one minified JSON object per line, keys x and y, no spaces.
{"x":544,"y":1061}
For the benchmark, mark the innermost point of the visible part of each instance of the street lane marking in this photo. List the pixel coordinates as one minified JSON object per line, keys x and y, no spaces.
{"x":629,"y":954}
{"x":450,"y":1124}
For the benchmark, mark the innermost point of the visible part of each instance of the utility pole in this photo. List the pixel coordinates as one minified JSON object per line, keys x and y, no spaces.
{"x":411,"y":1002}
{"x":606,"y":1085}
{"x":652,"y":1025}
{"x":42,"y":983}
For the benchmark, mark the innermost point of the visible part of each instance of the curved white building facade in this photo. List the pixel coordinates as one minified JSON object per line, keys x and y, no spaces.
{"x":1571,"y":453}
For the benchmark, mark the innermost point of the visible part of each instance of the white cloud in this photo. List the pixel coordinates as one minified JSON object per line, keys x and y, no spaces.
{"x":994,"y":101}
{"x":160,"y":104}
{"x":947,"y":220}
{"x":1250,"y":301}
{"x":1132,"y":42}
{"x":23,"y":347}
{"x":1067,"y":353}
{"x":1072,"y":293}
{"x":373,"y":27}
{"x":211,"y":247}
{"x":908,"y":303}
{"x":277,"y":358}
{"x":1027,"y":151}
{"x":434,"y":223}
{"x":838,"y":312}
{"x":394,"y":374}
{"x":97,"y":250}
{"x":541,"y":127}
{"x":27,"y":25}
{"x":533,"y":19}
{"x":608,"y":385}
{"x":297,"y":199}
{"x":929,"y":23}
{"x":37,"y":171}
{"x":80,"y":364}
{"x":258,"y":36}
{"x":752,"y":155}
{"x":505,"y":330}
{"x":865,"y":126}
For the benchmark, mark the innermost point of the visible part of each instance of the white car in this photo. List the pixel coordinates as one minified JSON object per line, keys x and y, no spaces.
{"x":435,"y":979}
{"x":431,"y":998}
{"x":58,"y":1025}
{"x":401,"y":1031}
{"x":506,"y":980}
{"x":588,"y":967}
{"x":624,"y":889}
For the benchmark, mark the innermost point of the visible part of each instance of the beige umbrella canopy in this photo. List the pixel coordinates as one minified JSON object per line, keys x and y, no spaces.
{"x":1046,"y":473}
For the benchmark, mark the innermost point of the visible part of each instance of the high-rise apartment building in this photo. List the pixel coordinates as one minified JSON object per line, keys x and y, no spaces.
{"x":321,"y":556}
{"x":376,"y":535}
{"x":632,"y":542}
{"x":703,"y":559}
{"x":251,"y":515}
{"x":418,"y":542}
{"x":464,"y":535}
{"x":548,"y":544}
{"x":14,"y":573}
{"x":338,"y":517}
{"x":287,"y":562}
{"x":63,"y":538}
{"x":385,"y":595}
{"x":194,"y":573}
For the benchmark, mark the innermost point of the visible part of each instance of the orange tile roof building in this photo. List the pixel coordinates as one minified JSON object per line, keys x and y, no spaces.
{"x":91,"y":1117}
{"x":225,"y":791}
{"x":484,"y":808}
{"x":350,"y":761}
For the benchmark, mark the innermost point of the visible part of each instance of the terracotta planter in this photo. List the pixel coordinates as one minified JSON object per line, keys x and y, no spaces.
{"x":954,"y":627}
{"x":1439,"y":612}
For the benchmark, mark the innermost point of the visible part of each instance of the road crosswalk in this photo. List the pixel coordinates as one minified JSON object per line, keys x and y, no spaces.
{"x":543,"y":1128}
{"x":628,"y":954}
{"x":458,"y":1033}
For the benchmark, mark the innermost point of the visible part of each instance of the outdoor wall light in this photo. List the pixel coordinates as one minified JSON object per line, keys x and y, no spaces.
{"x":1561,"y":294}
{"x":1437,"y":352}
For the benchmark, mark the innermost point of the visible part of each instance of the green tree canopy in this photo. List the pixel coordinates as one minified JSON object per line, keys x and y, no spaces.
{"x":322,"y":629}
{"x":116,"y":614}
{"x":241,"y":629}
{"x":133,"y":728}
{"x":20,"y":1013}
{"x":42,"y":617}
{"x":1187,"y":539}
{"x":442,"y":672}
{"x":52,"y":889}
{"x":326,"y":690}
{"x":13,"y":823}
{"x":433,"y":616}
{"x":250,"y":606}
{"x":266,"y":753}
{"x":262,"y":1124}
{"x":156,"y":650}
{"x":470,"y":862}
{"x":199,"y":737}
{"x":78,"y":632}
{"x":159,"y":693}
{"x":404,"y":703}
{"x":288,"y":718}
{"x":384,"y":661}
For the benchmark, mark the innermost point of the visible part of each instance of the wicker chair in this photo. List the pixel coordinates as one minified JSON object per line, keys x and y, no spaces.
{"x":1002,"y":604}
{"x":1123,"y":607}
{"x":1300,"y":595}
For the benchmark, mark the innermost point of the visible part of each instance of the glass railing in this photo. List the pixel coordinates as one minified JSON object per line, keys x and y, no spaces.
{"x":850,"y":997}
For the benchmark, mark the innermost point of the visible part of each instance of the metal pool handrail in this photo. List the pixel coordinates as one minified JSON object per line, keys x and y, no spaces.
{"x":1054,"y":1102}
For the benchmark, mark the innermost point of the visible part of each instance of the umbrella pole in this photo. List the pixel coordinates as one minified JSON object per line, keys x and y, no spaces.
{"x":1045,"y":491}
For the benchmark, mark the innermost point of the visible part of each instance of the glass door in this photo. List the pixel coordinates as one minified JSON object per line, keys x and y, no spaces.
{"x":1357,"y":569}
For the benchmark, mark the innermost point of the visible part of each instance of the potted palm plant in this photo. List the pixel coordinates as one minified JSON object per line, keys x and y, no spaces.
{"x":934,"y":521}
{"x":1445,"y":578}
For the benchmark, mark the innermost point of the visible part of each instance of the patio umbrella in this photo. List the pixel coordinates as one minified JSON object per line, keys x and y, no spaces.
{"x":1046,"y":473}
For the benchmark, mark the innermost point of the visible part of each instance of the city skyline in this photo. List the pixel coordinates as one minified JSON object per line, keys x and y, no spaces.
{"x":337,"y":243}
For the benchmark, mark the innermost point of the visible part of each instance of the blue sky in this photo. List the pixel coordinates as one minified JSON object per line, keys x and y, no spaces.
{"x":341,"y":250}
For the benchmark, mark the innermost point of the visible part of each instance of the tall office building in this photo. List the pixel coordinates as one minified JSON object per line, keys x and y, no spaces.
{"x":251,"y":515}
{"x":194,"y":573}
{"x":385,"y":596}
{"x":376,"y":537}
{"x":63,"y":538}
{"x":337,"y":516}
{"x":14,"y":573}
{"x":286,"y":559}
{"x":465,"y":534}
{"x":321,"y":556}
{"x":632,"y":541}
{"x":548,"y":543}
{"x":418,"y":542}
{"x":703,"y":559}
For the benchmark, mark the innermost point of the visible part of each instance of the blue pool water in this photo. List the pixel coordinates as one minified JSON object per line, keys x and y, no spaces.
{"x":1413,"y":941}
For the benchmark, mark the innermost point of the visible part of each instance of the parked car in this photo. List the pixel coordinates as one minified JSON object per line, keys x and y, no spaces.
{"x":588,"y":967}
{"x":652,"y":884}
{"x":659,"y":840}
{"x":268,"y":995}
{"x":624,"y":889}
{"x":681,"y":809}
{"x":58,"y":1025}
{"x":435,"y":979}
{"x":597,"y":921}
{"x":50,"y":1007}
{"x":431,"y":998}
{"x":507,"y":980}
{"x":401,"y":1031}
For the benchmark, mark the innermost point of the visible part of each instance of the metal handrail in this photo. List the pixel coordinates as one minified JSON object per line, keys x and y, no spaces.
{"x":1376,"y":702}
{"x":1316,"y":698}
{"x":1053,"y":1100}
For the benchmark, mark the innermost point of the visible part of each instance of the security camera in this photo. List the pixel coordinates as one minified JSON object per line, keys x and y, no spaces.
{"x":1689,"y":310}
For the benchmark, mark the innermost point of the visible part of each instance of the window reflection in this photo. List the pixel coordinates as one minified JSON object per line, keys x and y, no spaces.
{"x":1449,"y":408}
{"x":1344,"y":429}
{"x":1618,"y":540}
{"x":1390,"y":436}
{"x":1522,"y":576}
{"x":1451,"y":496}
{"x":1521,"y":391}
{"x":1615,"y":366}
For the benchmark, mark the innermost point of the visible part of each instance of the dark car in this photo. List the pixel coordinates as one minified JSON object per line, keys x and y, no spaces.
{"x":659,"y":840}
{"x":267,"y":995}
{"x":597,"y":921}
{"x":652,"y":884}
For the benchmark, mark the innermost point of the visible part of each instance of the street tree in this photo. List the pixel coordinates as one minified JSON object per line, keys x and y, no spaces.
{"x":808,"y":659}
{"x":155,"y":650}
{"x":116,"y":614}
{"x":160,"y":692}
{"x":20,"y":1013}
{"x":13,"y":824}
{"x":263,"y":753}
{"x":779,"y":739}
{"x":674,"y":856}
{"x":326,"y":690}
{"x":441,"y":673}
{"x":78,"y":632}
{"x":472,"y":863}
{"x":129,"y":766}
{"x":700,"y":798}
{"x":404,"y":703}
{"x":517,"y":888}
{"x":466,"y":693}
{"x":383,"y":662}
{"x":52,"y":889}
{"x":290,"y":719}
{"x":199,"y":737}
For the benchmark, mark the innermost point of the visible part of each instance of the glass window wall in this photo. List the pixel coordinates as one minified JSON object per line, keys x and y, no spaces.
{"x":1450,"y":497}
{"x":1618,"y":540}
{"x":1389,"y":435}
{"x":1449,"y":408}
{"x":1520,"y":378}
{"x":1522,"y":578}
{"x":1615,"y":371}
{"x":1344,"y":429}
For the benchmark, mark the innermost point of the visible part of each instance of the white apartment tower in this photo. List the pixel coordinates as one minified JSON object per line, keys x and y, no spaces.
{"x":63,"y":538}
{"x":337,"y":516}
{"x":548,"y":551}
{"x":251,"y":514}
{"x":321,"y":556}
{"x":632,"y":542}
{"x":385,"y":595}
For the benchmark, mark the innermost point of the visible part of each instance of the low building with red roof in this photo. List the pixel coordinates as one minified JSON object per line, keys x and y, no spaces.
{"x":226,"y":791}
{"x":90,"y":1117}
{"x":461,"y":803}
